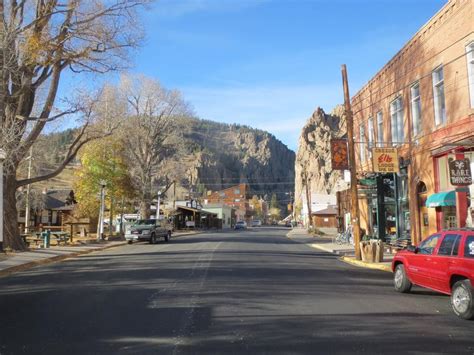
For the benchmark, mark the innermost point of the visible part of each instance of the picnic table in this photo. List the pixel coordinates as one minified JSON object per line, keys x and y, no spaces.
{"x":38,"y":237}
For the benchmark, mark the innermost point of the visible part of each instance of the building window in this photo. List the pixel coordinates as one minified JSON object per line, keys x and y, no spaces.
{"x":362,"y":143}
{"x":438,"y":95}
{"x":380,"y":129}
{"x":470,"y":70}
{"x":371,"y":134}
{"x":415,"y":108}
{"x":236,"y":191}
{"x":396,"y":116}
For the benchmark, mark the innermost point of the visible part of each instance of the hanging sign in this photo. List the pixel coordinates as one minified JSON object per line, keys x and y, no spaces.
{"x":385,"y":160}
{"x":460,"y":172}
{"x":339,"y":156}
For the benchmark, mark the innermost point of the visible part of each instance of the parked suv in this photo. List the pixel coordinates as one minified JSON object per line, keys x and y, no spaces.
{"x":149,"y":229}
{"x":443,"y":262}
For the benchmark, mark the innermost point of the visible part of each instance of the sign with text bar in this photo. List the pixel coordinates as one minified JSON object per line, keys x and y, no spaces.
{"x":385,"y":160}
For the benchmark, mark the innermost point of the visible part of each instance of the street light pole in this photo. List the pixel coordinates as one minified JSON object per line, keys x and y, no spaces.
{"x":158,"y":206}
{"x":28,"y":188}
{"x":100,"y":230}
{"x":3,"y":155}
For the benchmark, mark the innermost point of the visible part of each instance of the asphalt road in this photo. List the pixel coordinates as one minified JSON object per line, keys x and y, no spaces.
{"x":221,"y":293}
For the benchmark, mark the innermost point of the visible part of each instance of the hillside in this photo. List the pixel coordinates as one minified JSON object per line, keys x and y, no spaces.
{"x":212,"y":156}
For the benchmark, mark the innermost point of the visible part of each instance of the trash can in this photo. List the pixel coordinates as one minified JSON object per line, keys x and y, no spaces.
{"x":46,"y":238}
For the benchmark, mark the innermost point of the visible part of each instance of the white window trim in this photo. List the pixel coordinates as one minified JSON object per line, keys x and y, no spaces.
{"x":470,"y":70}
{"x":398,"y":134}
{"x":362,"y":143}
{"x":436,"y":103}
{"x":380,"y":132}
{"x":416,"y":129}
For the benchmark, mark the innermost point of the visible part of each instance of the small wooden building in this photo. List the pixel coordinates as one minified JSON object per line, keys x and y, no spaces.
{"x":326,"y":218}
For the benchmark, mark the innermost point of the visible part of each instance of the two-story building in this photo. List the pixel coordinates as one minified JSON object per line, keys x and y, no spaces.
{"x":422,"y":103}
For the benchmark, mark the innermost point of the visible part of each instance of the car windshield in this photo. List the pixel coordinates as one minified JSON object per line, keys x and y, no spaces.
{"x":145,"y":222}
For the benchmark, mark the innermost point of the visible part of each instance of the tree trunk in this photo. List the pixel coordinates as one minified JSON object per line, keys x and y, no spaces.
{"x":12,"y":237}
{"x":144,"y":209}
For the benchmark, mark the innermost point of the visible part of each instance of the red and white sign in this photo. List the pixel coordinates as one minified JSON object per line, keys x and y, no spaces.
{"x":385,"y":160}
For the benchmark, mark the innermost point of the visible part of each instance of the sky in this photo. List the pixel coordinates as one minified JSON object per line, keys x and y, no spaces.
{"x":270,"y":63}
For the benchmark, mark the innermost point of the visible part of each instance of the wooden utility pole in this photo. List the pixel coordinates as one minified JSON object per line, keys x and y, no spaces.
{"x":352,"y":164}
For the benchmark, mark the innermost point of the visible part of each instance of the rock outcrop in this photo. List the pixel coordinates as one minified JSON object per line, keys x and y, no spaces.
{"x":313,"y":158}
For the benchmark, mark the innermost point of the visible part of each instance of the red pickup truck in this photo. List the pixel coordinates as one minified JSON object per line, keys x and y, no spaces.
{"x":443,"y":262}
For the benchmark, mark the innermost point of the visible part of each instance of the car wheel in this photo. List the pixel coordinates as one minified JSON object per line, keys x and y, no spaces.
{"x":168,"y":236}
{"x":461,"y":299}
{"x":153,"y":238}
{"x":400,"y":279}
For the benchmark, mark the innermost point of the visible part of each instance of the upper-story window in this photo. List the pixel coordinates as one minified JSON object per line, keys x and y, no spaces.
{"x":236,"y":191}
{"x":370,"y":135}
{"x":362,"y":143}
{"x":380,"y":128}
{"x":438,"y":96}
{"x":470,"y":70}
{"x":416,"y":108}
{"x":396,"y":116}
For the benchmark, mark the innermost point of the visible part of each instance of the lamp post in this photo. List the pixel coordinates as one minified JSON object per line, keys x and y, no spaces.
{"x":3,"y":155}
{"x":100,"y":229}
{"x":158,"y":206}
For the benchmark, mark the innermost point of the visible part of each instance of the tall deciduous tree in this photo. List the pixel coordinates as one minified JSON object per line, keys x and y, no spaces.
{"x":40,"y":40}
{"x":101,"y":160}
{"x":148,"y":133}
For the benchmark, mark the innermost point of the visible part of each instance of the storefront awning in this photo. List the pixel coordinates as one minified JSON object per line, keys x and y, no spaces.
{"x":441,"y":199}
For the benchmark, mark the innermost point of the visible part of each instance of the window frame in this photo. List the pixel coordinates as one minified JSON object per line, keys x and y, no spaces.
{"x":466,"y":246}
{"x":362,"y":143}
{"x":420,"y":246}
{"x":456,"y":242}
{"x":370,"y":136}
{"x":440,"y":114}
{"x":396,"y":121}
{"x":470,"y":71}
{"x":380,"y":139}
{"x":415,"y":105}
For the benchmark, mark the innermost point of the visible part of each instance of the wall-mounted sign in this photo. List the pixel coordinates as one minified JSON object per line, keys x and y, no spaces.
{"x":460,"y":172}
{"x":339,"y":155}
{"x":385,"y":160}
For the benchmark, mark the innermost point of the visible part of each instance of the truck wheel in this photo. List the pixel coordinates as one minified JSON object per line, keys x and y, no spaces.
{"x":168,"y":236}
{"x":461,"y":299}
{"x":400,"y":279}
{"x":153,"y":238}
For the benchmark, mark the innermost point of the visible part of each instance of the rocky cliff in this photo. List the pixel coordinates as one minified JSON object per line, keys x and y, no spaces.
{"x":208,"y":156}
{"x":221,"y":155}
{"x":313,"y":158}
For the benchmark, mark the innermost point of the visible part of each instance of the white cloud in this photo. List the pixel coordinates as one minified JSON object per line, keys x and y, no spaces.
{"x":281,"y":110}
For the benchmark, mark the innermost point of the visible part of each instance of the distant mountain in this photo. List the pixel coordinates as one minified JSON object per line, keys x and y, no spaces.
{"x":212,"y":156}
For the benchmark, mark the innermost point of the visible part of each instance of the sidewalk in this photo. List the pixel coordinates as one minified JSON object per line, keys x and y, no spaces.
{"x":327,"y":244}
{"x":15,"y":262}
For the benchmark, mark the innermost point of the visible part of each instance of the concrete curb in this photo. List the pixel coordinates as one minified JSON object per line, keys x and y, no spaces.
{"x":54,"y":259}
{"x":360,"y":263}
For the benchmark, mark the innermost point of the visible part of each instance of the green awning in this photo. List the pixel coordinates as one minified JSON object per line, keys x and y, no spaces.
{"x":441,"y":199}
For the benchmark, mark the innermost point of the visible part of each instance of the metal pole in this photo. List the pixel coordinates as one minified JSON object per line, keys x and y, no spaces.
{"x":100,"y":230}
{"x":2,"y":157}
{"x":352,"y":164}
{"x":28,"y":187}
{"x":158,"y":206}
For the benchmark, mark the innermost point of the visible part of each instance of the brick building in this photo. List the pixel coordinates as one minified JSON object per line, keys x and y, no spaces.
{"x":422,"y":103}
{"x":236,"y":196}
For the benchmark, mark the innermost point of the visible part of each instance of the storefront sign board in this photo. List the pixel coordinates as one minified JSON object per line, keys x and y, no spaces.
{"x":339,"y":154}
{"x":460,"y":172}
{"x":385,"y":160}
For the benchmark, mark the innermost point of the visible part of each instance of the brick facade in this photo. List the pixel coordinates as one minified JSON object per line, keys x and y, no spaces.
{"x":424,"y":145}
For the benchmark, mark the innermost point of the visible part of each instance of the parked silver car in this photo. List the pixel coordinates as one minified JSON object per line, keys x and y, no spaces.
{"x":149,"y":229}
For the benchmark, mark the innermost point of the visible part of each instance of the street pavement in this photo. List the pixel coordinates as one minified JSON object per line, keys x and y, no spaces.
{"x":245,"y":292}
